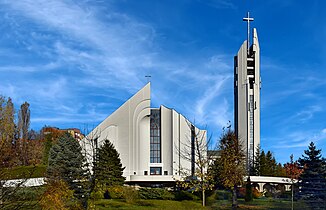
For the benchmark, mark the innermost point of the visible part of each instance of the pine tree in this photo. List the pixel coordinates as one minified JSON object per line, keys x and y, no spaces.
{"x":66,"y":162}
{"x":108,"y":168}
{"x":312,"y":181}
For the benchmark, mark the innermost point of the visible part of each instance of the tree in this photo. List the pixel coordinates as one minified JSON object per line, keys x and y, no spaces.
{"x":24,"y":120}
{"x":194,"y":151}
{"x":7,"y":131}
{"x":108,"y":169}
{"x":293,"y":171}
{"x":23,"y":127}
{"x":232,"y":163}
{"x":312,"y":181}
{"x":10,"y":158}
{"x":249,"y":195}
{"x":266,"y":165}
{"x":255,"y":169}
{"x":66,"y":162}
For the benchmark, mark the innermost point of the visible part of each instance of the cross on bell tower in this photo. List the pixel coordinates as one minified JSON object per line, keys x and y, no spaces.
{"x":248,"y":19}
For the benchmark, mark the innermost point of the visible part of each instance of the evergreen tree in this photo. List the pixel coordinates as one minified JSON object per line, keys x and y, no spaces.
{"x":280,"y":171}
{"x":263,"y":164}
{"x":108,"y":168}
{"x":249,"y":195}
{"x":255,"y":169}
{"x":66,"y":162}
{"x":266,"y":165}
{"x":312,"y":181}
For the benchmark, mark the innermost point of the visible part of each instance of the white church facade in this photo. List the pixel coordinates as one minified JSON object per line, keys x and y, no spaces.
{"x":151,"y":141}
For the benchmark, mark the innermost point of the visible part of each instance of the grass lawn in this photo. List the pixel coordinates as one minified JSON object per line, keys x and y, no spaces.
{"x":22,"y":172}
{"x":259,"y":204}
{"x":147,"y":204}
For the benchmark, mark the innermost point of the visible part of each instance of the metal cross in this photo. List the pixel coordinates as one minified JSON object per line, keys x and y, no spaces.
{"x":248,"y":19}
{"x":148,"y":78}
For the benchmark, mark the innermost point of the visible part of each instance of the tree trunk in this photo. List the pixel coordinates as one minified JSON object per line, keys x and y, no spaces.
{"x":203,"y":192}
{"x":234,"y":198}
{"x":292,"y":196}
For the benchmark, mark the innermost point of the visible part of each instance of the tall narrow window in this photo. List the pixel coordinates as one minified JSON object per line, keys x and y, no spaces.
{"x":193,"y":136}
{"x":155,"y":140}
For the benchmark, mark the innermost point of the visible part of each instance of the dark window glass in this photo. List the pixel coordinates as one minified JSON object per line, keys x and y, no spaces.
{"x":193,"y":136}
{"x":156,"y":170}
{"x":155,"y":139}
{"x":165,"y":172}
{"x":145,"y":173}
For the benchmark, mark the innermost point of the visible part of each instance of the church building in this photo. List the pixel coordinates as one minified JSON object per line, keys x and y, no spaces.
{"x":156,"y":145}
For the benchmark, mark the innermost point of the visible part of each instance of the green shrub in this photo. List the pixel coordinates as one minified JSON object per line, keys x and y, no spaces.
{"x":116,"y":192}
{"x":256,"y":194}
{"x":223,"y":195}
{"x":286,"y":195}
{"x":26,"y":193}
{"x":268,"y":194}
{"x":130,"y":194}
{"x":155,"y":193}
{"x":97,"y":194}
{"x":185,"y":195}
{"x":241,"y":192}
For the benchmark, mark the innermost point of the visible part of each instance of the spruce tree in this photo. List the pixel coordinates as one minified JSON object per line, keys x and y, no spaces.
{"x":255,"y":169}
{"x":312,"y":181}
{"x":66,"y":162}
{"x":249,"y":195}
{"x":108,"y":168}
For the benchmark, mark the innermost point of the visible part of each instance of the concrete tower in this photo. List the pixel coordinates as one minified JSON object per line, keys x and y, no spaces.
{"x":247,"y":84}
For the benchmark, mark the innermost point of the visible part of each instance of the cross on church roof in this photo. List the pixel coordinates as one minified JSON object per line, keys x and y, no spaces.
{"x":248,"y":19}
{"x":148,"y":78}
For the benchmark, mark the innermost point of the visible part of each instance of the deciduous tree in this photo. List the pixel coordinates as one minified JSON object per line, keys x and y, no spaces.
{"x":195,"y":151}
{"x":232,"y":163}
{"x":293,"y":171}
{"x":7,"y":131}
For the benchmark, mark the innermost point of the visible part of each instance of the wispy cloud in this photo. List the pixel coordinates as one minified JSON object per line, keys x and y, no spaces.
{"x":118,"y":47}
{"x":91,"y":50}
{"x":300,"y":139}
{"x":219,"y":4}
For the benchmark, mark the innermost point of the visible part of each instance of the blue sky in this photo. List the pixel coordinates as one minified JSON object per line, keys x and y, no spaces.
{"x":75,"y":62}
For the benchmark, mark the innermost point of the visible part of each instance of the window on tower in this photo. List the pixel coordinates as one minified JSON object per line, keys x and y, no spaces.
{"x":155,"y":136}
